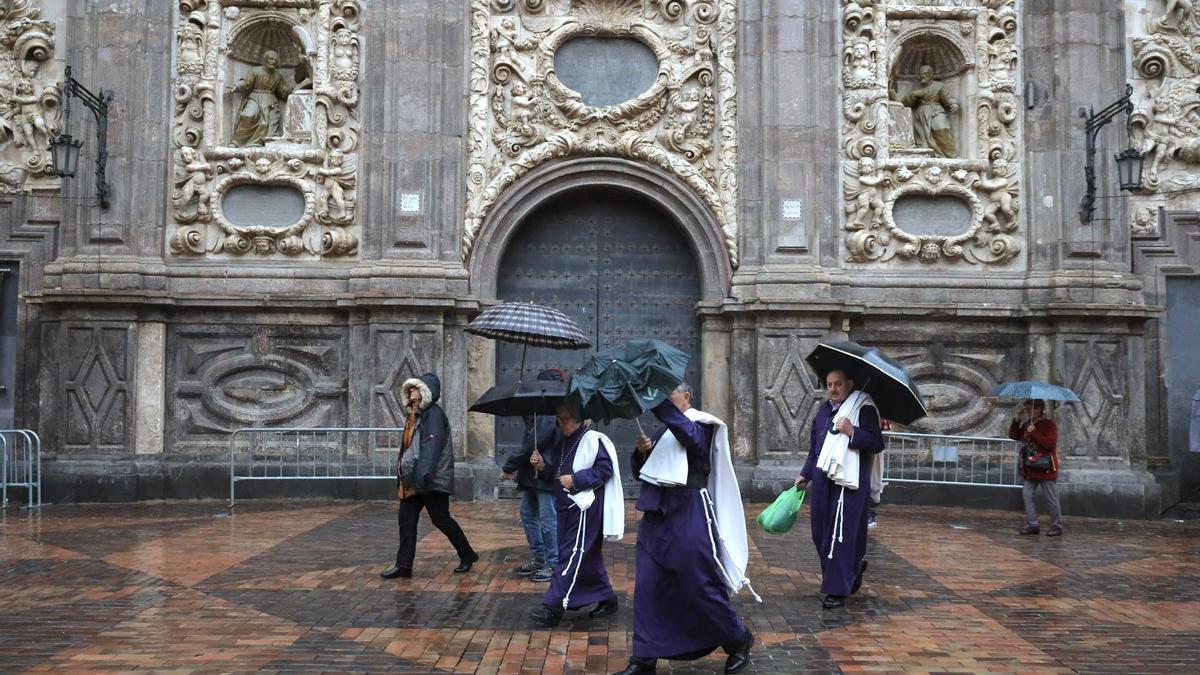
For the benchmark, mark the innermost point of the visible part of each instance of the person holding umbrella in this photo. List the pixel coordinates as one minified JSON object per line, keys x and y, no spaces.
{"x":1039,"y":463}
{"x":590,"y":507}
{"x":862,"y":385}
{"x":537,"y":494}
{"x":691,"y":545}
{"x":844,"y":439}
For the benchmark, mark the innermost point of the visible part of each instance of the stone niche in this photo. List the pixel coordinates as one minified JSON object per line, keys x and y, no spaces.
{"x":31,"y":96}
{"x":930,"y":129}
{"x":656,"y":83}
{"x":266,"y":112}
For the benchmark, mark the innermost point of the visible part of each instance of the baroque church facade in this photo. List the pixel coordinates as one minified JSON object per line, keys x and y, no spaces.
{"x":309,"y":200}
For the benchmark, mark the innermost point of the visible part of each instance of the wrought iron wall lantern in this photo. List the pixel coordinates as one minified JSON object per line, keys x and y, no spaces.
{"x":1129,"y":161}
{"x":64,"y":149}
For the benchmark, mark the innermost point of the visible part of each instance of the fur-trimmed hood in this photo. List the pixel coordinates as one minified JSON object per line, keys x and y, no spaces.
{"x":428,"y":384}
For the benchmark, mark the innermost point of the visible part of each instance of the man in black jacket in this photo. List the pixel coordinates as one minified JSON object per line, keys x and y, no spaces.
{"x":426,"y":476}
{"x":537,"y":495}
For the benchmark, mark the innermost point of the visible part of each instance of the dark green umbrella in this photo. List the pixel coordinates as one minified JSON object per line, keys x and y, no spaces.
{"x":627,"y":380}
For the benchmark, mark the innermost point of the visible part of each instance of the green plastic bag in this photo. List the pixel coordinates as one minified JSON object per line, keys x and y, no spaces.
{"x":779,"y":516}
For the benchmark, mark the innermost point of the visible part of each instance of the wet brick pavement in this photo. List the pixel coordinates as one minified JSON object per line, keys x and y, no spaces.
{"x":293,"y":587}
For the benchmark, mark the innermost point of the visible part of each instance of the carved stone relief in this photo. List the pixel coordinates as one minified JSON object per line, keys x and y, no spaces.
{"x":266,"y":93}
{"x":229,"y":377}
{"x":399,"y":355}
{"x":521,"y":115}
{"x":1093,"y":428}
{"x":30,"y":98}
{"x":929,"y":110}
{"x":791,"y":396}
{"x":1165,"y":124}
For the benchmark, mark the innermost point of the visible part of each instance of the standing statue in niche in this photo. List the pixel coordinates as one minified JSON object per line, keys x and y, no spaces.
{"x":260,"y":114}
{"x":931,"y":124}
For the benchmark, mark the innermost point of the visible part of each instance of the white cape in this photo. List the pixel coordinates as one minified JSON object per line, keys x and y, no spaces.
{"x":614,"y":502}
{"x":837,"y":460}
{"x":724,"y":498}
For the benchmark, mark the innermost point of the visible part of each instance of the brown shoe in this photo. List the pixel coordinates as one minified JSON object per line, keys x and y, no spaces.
{"x":1028,"y":529}
{"x":1055,"y":531}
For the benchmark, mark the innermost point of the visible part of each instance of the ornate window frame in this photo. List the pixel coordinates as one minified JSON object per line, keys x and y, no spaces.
{"x":692,"y":139}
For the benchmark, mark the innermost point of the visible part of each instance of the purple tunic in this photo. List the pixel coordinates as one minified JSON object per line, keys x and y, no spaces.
{"x":839,"y":573}
{"x":681,"y":607}
{"x":590,"y":584}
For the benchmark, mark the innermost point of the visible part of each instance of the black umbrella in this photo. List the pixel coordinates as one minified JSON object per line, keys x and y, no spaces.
{"x":516,"y":399}
{"x":895,"y":394}
{"x":628,"y":380}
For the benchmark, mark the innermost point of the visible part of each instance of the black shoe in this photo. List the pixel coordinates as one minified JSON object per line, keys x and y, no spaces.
{"x":862,"y":571}
{"x":740,"y":658}
{"x":604,"y":608}
{"x":393,"y":572}
{"x":464,"y":564}
{"x":529,"y":568}
{"x":543,"y":575}
{"x":833,"y":601}
{"x":639,"y":668}
{"x":546,"y":615}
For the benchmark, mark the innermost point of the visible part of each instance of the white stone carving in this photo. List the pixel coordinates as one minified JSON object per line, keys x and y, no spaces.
{"x":30,"y":98}
{"x":315,"y":147}
{"x":521,"y":115}
{"x":967,"y":51}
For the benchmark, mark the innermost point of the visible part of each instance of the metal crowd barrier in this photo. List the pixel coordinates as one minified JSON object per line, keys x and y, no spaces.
{"x":21,"y":465}
{"x":951,"y":460}
{"x":353,"y":453}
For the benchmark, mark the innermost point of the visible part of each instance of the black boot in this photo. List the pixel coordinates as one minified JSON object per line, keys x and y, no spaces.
{"x":862,"y":571}
{"x":640,"y":667}
{"x":464,"y":564}
{"x":605,"y":608}
{"x":547,"y":616}
{"x":740,"y":658}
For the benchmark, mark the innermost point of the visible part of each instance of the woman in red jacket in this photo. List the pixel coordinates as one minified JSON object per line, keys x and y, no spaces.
{"x":1032,"y":426}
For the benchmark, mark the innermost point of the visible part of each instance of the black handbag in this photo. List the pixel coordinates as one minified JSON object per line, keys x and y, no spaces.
{"x":1034,"y":460}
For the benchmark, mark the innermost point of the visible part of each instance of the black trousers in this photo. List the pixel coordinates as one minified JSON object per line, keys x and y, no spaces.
{"x":438,"y":506}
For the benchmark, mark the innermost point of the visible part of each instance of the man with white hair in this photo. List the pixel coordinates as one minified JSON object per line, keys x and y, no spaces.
{"x":691,"y":544}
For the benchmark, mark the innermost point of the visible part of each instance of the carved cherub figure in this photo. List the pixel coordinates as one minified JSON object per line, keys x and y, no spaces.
{"x":865,"y":204}
{"x":1000,"y":213}
{"x":522,"y":111}
{"x":857,"y":66}
{"x":1184,"y":7}
{"x":28,"y":119}
{"x":504,"y":39}
{"x":338,"y":177}
{"x":1160,"y":134}
{"x":194,"y":181}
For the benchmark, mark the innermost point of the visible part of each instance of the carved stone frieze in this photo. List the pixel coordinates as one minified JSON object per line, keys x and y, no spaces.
{"x":30,"y":98}
{"x":266,"y":94}
{"x":521,"y":115}
{"x":929,"y":110}
{"x":1165,"y":124}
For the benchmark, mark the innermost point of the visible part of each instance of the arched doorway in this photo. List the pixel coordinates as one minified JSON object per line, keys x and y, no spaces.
{"x":618,"y":265}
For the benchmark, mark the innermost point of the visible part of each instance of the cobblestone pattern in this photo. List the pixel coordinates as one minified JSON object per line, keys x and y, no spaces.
{"x":293,"y":587}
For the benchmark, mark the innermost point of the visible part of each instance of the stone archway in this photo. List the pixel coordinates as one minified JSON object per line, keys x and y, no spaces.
{"x":611,"y":249}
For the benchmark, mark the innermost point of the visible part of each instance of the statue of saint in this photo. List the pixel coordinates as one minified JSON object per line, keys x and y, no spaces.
{"x":260,"y":114}
{"x":931,"y":124}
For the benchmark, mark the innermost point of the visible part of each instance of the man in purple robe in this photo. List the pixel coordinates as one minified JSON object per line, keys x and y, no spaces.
{"x":579,"y":577}
{"x":839,"y":514}
{"x":681,"y":607}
